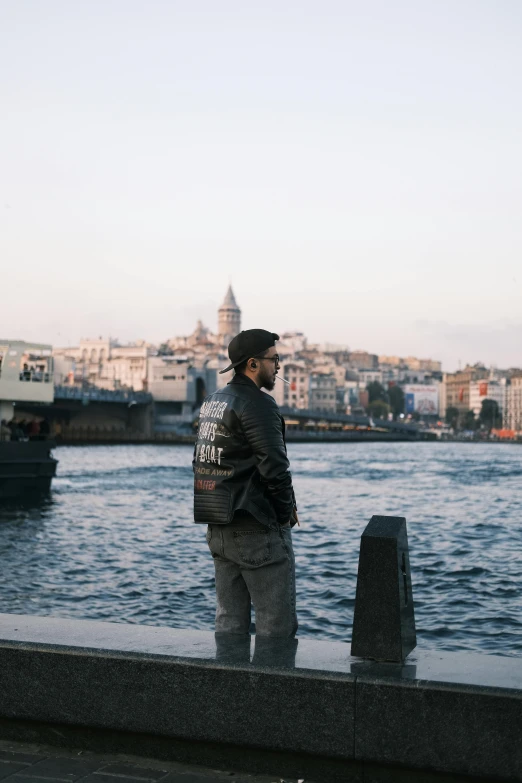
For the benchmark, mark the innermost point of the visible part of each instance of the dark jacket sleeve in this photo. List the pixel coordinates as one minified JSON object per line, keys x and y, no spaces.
{"x":262,"y":426}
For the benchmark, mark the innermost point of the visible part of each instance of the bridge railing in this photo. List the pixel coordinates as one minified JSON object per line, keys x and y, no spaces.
{"x":344,"y":418}
{"x":101,"y":395}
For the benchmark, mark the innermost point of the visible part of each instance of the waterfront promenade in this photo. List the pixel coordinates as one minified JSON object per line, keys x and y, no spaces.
{"x":29,"y":762}
{"x":296,"y":708}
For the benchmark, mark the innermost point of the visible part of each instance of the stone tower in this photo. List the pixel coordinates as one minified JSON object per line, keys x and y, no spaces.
{"x":229,"y":319}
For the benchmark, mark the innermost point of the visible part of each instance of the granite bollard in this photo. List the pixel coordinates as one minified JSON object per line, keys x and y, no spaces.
{"x":384,"y":618}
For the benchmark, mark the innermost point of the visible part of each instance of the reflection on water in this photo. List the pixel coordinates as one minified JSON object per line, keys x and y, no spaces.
{"x":115,"y":540}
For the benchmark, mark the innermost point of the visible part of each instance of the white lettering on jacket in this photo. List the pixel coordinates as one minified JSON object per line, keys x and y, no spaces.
{"x":208,"y":454}
{"x":213,"y":409}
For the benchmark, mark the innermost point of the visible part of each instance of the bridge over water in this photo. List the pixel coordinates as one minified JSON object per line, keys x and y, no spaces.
{"x":317,"y":425}
{"x":94,"y":394}
{"x":89,"y":413}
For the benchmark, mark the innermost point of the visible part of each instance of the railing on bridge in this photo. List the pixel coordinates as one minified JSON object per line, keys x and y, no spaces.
{"x":344,"y":419}
{"x":95,"y":394}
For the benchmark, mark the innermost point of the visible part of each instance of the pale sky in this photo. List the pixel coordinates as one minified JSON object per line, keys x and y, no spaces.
{"x":354,"y":168}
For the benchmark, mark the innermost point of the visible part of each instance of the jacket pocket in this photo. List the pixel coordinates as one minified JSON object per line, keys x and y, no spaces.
{"x":253,"y":546}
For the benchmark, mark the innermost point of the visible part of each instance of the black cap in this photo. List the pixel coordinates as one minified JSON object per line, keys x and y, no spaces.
{"x":250,"y":342}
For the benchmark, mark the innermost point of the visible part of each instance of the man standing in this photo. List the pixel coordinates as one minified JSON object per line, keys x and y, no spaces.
{"x":243,"y":492}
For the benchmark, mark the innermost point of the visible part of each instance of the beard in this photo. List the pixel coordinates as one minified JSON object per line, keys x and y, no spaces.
{"x":268,"y":381}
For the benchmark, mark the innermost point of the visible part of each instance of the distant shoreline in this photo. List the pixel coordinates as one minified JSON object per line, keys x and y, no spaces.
{"x":189,"y":440}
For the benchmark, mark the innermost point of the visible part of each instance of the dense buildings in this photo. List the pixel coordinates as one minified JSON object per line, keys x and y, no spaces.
{"x":104,"y":363}
{"x":456,"y":388}
{"x":321,"y":377}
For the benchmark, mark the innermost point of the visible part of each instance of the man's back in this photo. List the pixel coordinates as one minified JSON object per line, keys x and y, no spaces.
{"x":240,"y":460}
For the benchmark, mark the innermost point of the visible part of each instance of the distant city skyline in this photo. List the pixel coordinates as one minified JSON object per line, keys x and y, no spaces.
{"x":500,"y":343}
{"x":353,"y":169}
{"x":432,"y":330}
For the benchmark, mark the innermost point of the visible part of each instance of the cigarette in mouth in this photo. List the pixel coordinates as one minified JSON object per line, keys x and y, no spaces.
{"x":282,"y":379}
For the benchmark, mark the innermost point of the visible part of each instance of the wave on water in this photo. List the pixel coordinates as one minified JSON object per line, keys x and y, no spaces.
{"x":115,"y":540}
{"x":128,"y":472}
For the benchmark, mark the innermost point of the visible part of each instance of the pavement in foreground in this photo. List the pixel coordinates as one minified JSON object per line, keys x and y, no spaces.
{"x":22,"y":762}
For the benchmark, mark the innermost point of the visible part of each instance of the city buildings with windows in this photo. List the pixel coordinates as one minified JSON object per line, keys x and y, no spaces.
{"x":455,"y":391}
{"x":322,"y":392}
{"x":295,"y":393}
{"x":490,"y":389}
{"x":512,"y":419}
{"x":103,"y":363}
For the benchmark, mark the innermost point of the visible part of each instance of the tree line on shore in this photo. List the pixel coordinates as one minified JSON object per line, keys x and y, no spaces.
{"x":489,"y":418}
{"x":384,"y":401}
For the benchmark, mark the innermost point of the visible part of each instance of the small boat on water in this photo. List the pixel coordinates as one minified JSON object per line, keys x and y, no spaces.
{"x":26,"y":384}
{"x":26,"y":468}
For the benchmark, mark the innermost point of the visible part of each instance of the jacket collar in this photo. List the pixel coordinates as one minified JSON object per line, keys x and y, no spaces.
{"x":242,"y":379}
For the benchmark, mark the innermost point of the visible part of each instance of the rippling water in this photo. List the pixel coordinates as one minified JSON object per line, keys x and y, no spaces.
{"x":116,"y":542}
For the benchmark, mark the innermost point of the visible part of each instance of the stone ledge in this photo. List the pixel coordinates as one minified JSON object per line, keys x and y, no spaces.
{"x":462,"y":729}
{"x":129,"y":678}
{"x":453,"y":713}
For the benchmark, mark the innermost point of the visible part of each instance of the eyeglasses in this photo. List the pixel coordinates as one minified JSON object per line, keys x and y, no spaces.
{"x":274,"y":359}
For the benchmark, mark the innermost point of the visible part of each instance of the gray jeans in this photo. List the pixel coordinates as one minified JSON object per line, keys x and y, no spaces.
{"x":254,"y":565}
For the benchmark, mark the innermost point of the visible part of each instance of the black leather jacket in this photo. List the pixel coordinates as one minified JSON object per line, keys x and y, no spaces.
{"x":240,"y":461}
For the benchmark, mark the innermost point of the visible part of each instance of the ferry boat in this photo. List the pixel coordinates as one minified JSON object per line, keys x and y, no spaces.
{"x":27,"y":466}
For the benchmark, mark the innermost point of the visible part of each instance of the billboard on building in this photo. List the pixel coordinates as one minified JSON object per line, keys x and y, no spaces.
{"x":421,"y":398}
